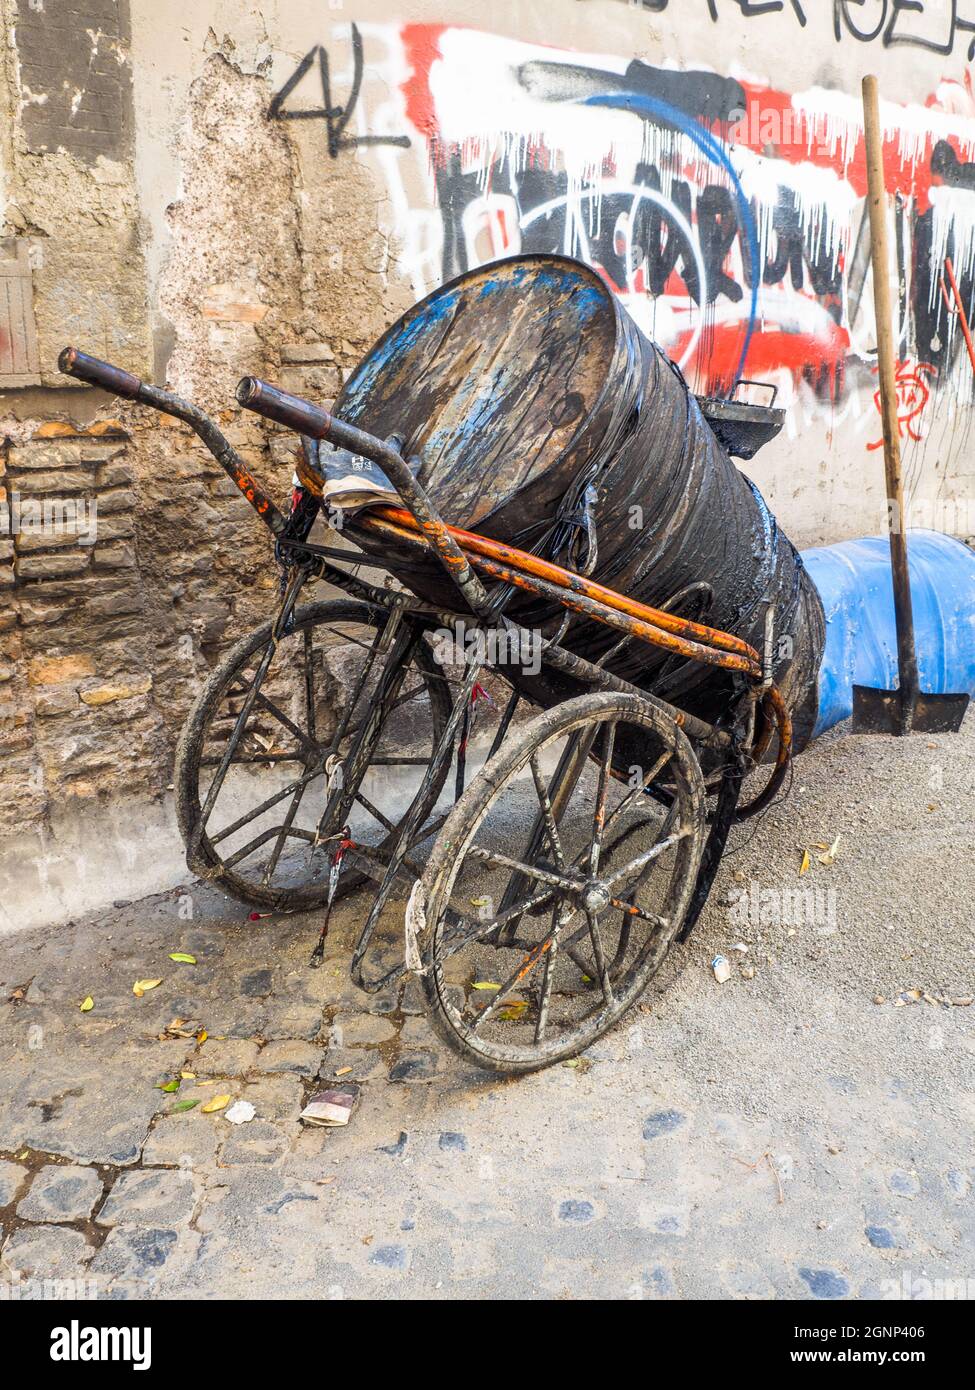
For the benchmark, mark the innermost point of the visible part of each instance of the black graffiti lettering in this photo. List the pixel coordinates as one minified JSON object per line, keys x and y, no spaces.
{"x":892,"y":34}
{"x":789,"y":249}
{"x":751,"y":9}
{"x":654,"y":231}
{"x":914,"y":23}
{"x":717,"y":227}
{"x":844,"y":20}
{"x":336,"y":118}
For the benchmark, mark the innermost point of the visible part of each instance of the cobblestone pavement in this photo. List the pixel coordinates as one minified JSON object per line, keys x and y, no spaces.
{"x":781,"y":1135}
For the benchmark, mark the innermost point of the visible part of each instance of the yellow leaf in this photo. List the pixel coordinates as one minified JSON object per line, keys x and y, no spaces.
{"x":188,"y":1075}
{"x":804,"y":866}
{"x":88,"y":1005}
{"x":343,"y":1071}
{"x":182,"y":957}
{"x":513,"y":1011}
{"x":485,"y":984}
{"x":217,"y":1103}
{"x":140,"y":987}
{"x":202,"y":1035}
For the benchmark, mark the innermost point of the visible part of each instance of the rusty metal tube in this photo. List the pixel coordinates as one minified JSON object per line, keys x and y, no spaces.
{"x":312,"y":420}
{"x":582,"y":603}
{"x":124,"y":384}
{"x":565,"y":579}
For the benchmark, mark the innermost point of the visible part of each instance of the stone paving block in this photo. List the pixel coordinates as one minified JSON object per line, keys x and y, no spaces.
{"x":62,"y":1193}
{"x":296,"y":1021}
{"x":150,"y":1197}
{"x":360,"y":1030}
{"x":189,"y":1140}
{"x":225,"y":1057}
{"x":45,"y":1252}
{"x":275,"y":1097}
{"x":12,"y":1177}
{"x":365,"y":1064}
{"x":257,"y":1142}
{"x":302,"y":1058}
{"x":135,"y":1258}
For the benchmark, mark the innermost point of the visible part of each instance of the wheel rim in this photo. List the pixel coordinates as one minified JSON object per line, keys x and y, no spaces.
{"x":290,"y":756}
{"x":520,"y":989}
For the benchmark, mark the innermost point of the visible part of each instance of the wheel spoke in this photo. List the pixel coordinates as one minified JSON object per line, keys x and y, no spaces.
{"x":272,"y":863}
{"x":264,"y":702}
{"x":559,"y":920}
{"x":544,"y":801}
{"x":599,"y":816}
{"x":631,"y":796}
{"x":628,"y":870}
{"x":602,"y":974}
{"x":525,"y":967}
{"x":255,"y":759}
{"x":374,"y":811}
{"x":271,"y":801}
{"x":310,"y":683}
{"x":492,"y":856}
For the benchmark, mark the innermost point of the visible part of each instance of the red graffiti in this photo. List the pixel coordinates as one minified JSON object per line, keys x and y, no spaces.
{"x":913,"y":394}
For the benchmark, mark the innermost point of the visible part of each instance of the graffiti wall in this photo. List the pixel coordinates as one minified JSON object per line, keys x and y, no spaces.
{"x":727,"y":213}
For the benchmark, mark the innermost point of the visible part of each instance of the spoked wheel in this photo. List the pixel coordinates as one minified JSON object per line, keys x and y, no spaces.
{"x":339,"y":731}
{"x":557,"y":883}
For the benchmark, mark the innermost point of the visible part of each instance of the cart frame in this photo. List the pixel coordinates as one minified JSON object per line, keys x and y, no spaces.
{"x":741,"y":737}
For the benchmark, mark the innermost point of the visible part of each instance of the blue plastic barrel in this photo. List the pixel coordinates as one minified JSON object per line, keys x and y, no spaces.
{"x":854,"y":582}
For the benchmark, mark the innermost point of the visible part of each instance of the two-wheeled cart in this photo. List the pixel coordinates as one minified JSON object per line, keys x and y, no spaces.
{"x":545,"y":875}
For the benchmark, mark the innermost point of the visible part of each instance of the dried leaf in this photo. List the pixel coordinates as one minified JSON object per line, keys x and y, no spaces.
{"x":513,"y":1011}
{"x":830,"y":854}
{"x":182,"y":958}
{"x":182,"y":1105}
{"x":579,"y":1064}
{"x":804,"y":866}
{"x":343,"y":1071}
{"x":87,"y":1005}
{"x":188,"y":1075}
{"x":141,"y":986}
{"x":217,"y":1103}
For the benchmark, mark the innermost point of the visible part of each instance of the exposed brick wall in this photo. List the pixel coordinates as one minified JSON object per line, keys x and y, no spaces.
{"x":78,"y":716}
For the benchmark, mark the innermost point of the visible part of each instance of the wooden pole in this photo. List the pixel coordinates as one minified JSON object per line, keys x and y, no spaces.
{"x":880,"y":256}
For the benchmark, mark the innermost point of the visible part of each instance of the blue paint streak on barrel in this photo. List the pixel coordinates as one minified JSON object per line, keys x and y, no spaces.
{"x":855,"y":585}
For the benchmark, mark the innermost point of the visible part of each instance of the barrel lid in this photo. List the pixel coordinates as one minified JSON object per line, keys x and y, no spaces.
{"x":490,"y":378}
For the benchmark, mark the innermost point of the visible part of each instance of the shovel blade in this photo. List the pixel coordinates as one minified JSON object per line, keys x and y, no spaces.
{"x":939,"y":714}
{"x":881,"y":712}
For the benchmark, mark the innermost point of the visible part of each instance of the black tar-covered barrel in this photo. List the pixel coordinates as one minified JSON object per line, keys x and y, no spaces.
{"x":543,"y":417}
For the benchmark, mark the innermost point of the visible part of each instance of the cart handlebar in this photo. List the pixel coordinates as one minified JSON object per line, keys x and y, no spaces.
{"x":99,"y":373}
{"x":316,"y":423}
{"x":123,"y":383}
{"x":292,"y":411}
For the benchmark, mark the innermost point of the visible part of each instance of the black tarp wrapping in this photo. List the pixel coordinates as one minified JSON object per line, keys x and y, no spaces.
{"x":531,"y":397}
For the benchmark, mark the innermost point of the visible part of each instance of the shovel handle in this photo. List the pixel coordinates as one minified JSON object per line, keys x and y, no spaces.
{"x":880,"y":256}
